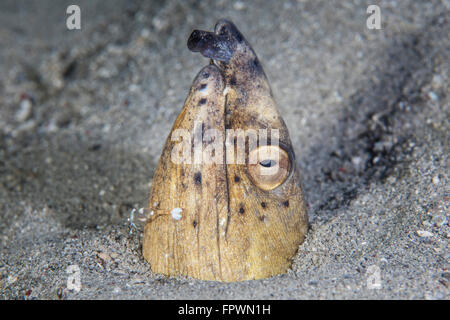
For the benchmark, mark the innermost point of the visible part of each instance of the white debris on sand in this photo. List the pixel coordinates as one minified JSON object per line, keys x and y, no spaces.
{"x":422,"y":233}
{"x":25,"y":109}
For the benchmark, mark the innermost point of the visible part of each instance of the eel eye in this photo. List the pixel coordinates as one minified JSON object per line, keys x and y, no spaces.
{"x":268,"y":166}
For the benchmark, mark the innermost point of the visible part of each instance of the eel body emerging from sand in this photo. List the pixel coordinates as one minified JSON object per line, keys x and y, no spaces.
{"x":224,"y":207}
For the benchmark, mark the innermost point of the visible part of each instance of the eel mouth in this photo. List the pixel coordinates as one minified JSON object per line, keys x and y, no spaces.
{"x":219,"y":45}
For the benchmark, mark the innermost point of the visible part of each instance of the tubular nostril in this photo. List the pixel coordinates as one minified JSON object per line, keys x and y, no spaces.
{"x":193,"y":40}
{"x":210,"y":45}
{"x":197,"y":40}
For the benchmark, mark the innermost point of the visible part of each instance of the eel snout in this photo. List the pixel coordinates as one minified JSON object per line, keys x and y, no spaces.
{"x":219,"y":45}
{"x":230,"y":51}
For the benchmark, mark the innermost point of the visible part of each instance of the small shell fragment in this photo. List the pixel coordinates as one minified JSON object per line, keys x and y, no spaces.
{"x":176,"y":213}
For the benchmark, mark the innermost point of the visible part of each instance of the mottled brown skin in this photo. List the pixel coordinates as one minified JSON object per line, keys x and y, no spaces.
{"x":231,"y":229}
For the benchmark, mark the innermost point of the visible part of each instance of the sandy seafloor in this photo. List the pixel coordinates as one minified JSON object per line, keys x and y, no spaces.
{"x":84,"y":115}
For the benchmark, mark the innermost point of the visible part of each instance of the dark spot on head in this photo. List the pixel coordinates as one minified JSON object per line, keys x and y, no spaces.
{"x":202,"y":101}
{"x":233,"y":80}
{"x":194,"y":223}
{"x":241,"y":210}
{"x":263,"y":204}
{"x":238,"y":37}
{"x":237,"y":179}
{"x":255,"y":65}
{"x":203,"y":86}
{"x":286,"y":203}
{"x":205,"y":75}
{"x":262,"y":218}
{"x":198,"y":178}
{"x":223,"y":31}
